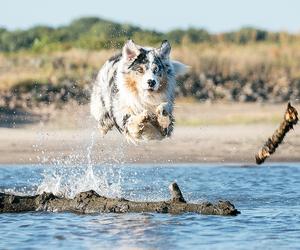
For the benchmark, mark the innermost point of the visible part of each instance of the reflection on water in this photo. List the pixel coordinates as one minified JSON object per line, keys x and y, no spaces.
{"x":268,"y":197}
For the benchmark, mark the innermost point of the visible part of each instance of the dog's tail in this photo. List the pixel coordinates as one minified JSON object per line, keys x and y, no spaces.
{"x":180,"y":68}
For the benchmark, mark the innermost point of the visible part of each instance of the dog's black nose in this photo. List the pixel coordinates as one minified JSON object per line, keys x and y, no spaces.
{"x":151,"y":83}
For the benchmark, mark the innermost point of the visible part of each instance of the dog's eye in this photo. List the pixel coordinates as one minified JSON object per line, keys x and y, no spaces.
{"x":140,"y":70}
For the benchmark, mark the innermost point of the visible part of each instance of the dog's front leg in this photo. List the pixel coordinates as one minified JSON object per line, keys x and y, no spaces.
{"x":135,"y":125}
{"x":165,"y":119}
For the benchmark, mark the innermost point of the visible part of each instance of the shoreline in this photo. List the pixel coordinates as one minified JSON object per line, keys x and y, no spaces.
{"x":170,"y":164}
{"x":230,"y":144}
{"x":204,"y":133}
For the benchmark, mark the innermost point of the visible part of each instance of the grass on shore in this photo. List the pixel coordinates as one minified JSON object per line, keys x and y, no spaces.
{"x":273,"y":63}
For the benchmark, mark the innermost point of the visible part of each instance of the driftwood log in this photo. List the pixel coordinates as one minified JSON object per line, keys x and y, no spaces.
{"x":91,"y":202}
{"x":290,"y":119}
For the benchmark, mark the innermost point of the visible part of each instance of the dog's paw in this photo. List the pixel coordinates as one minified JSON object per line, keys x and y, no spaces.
{"x":136,"y":124}
{"x":163,"y":115}
{"x":162,"y":109}
{"x":144,"y":116}
{"x":104,"y":129}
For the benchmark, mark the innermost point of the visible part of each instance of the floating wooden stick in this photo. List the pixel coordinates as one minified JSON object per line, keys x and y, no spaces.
{"x":91,"y":202}
{"x":290,"y":119}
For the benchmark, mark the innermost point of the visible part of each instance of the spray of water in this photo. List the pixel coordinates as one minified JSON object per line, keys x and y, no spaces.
{"x":70,"y":175}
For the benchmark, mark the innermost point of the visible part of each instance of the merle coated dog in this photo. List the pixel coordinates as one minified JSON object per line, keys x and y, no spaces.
{"x":134,"y":92}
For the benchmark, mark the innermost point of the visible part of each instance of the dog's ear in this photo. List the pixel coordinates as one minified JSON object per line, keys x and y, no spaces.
{"x":180,"y":68}
{"x":130,"y":50}
{"x":165,"y":49}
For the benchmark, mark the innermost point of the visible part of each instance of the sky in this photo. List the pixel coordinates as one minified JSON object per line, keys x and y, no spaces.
{"x":213,"y":15}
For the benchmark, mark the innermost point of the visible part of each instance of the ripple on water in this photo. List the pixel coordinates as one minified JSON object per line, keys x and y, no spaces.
{"x":268,"y":197}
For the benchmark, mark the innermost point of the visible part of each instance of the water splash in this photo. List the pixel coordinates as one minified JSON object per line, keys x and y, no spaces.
{"x":76,"y":173}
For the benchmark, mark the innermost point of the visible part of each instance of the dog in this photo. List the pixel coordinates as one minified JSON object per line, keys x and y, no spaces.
{"x":134,"y":92}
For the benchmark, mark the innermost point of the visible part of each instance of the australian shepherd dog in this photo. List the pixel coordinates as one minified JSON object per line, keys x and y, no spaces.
{"x":134,"y":92}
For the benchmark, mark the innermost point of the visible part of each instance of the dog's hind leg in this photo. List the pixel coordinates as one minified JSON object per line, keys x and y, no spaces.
{"x":105,"y":124}
{"x":99,"y":112}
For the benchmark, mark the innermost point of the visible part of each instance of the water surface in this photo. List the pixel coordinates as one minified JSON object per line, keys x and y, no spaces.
{"x":267,"y":196}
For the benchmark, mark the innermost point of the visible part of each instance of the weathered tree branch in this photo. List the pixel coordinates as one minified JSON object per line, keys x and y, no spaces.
{"x":91,"y":202}
{"x":290,"y":119}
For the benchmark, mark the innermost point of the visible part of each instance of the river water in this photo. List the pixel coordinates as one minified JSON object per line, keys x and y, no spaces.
{"x":268,"y":197}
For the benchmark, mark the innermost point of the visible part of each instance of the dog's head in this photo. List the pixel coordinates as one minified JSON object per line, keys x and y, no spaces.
{"x":147,"y":71}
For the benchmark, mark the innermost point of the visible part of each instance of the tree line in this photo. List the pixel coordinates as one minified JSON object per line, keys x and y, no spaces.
{"x":96,"y":33}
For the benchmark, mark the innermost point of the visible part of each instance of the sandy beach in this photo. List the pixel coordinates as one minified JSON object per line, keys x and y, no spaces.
{"x":219,"y":133}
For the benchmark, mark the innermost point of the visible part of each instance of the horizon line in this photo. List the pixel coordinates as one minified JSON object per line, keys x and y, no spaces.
{"x":149,"y":29}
